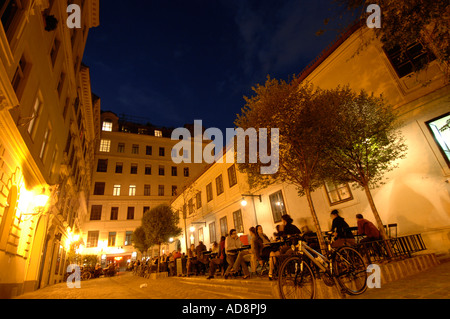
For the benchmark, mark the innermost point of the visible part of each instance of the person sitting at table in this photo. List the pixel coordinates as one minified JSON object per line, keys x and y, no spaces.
{"x":368,"y":229}
{"x":341,"y":231}
{"x":287,"y":229}
{"x":217,"y":257}
{"x":235,"y":258}
{"x":192,"y":260}
{"x":202,"y":260}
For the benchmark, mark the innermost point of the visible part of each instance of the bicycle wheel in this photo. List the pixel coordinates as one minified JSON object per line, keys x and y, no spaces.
{"x":296,"y":279}
{"x":350,"y":270}
{"x":86,"y":275}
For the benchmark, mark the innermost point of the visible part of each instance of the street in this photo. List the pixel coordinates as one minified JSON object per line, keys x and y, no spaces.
{"x":127,"y":286}
{"x":433,"y":283}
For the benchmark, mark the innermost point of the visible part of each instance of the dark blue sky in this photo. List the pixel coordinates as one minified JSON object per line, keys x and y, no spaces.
{"x":175,"y":61}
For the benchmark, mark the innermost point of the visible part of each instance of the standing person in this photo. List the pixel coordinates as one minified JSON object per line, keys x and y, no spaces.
{"x":235,"y":258}
{"x":341,"y":232}
{"x":368,"y":229}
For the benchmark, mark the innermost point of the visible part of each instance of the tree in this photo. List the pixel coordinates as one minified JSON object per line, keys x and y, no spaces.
{"x":290,"y":108}
{"x":405,"y":22}
{"x":159,"y":224}
{"x":139,"y":240}
{"x":363,"y":140}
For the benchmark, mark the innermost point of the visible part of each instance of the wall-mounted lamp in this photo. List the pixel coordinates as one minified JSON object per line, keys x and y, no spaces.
{"x":244,"y":202}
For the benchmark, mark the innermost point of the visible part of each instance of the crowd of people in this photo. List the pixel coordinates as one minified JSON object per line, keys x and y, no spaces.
{"x":232,"y":258}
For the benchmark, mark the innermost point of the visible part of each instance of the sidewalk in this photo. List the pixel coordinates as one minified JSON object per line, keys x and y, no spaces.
{"x":433,"y":283}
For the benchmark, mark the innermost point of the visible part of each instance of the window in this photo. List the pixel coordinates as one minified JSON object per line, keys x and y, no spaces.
{"x":162,"y":151}
{"x":440,"y":129}
{"x":119,"y":168}
{"x":198,"y":199}
{"x":130,"y":213}
{"x":8,"y":12}
{"x":19,"y":76}
{"x":92,"y":239}
{"x":337,"y":193}
{"x":158,"y":133}
{"x":406,"y":61}
{"x":146,"y":190}
{"x":107,"y":126}
{"x":133,"y":169}
{"x":121,"y":148}
{"x":146,"y":209}
{"x":55,"y":49}
{"x":277,"y":205}
{"x":99,"y":188}
{"x":148,"y":170}
{"x":34,"y":116}
{"x":148,"y":150}
{"x":102,"y":165}
{"x":132,"y":190}
{"x":96,"y":212}
{"x":135,"y":149}
{"x":174,"y":190}
{"x":200,"y":234}
{"x":44,"y":145}
{"x":161,"y":170}
{"x":186,"y":172}
{"x":219,"y":184}
{"x":212,"y":232}
{"x":174,"y":171}
{"x":160,"y":190}
{"x":105,"y":146}
{"x":114,"y":213}
{"x":209,"y":193}
{"x":237,"y":218}
{"x":128,"y":235}
{"x":116,"y":190}
{"x":111,"y":239}
{"x":223,"y":226}
{"x":190,"y":206}
{"x":232,"y":180}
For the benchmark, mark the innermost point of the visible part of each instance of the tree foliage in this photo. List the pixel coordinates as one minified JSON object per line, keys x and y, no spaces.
{"x":159,"y":224}
{"x":405,"y":22}
{"x":139,"y":240}
{"x":290,"y":108}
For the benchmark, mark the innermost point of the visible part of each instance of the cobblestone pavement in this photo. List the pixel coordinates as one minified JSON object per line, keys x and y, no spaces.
{"x":433,"y":283}
{"x":127,"y":286}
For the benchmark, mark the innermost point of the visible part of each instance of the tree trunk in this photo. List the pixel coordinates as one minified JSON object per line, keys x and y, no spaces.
{"x":375,"y":212}
{"x":323,"y":246}
{"x":378,"y":220}
{"x":159,"y":257}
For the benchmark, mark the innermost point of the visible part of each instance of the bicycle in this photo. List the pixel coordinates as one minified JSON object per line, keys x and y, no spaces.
{"x":296,"y":279}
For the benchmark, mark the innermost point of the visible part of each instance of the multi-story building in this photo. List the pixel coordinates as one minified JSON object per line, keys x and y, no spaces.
{"x":134,"y":172}
{"x":47,"y":115}
{"x":415,"y":195}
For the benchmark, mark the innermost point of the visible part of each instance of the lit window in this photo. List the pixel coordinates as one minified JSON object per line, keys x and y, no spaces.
{"x":338,"y":193}
{"x":158,"y":133}
{"x":277,"y":205}
{"x":105,"y":145}
{"x":107,"y":126}
{"x":116,"y":190}
{"x":132,"y":190}
{"x":440,"y":128}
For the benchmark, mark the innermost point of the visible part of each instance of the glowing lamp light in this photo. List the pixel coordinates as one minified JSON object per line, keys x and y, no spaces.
{"x":243,"y":203}
{"x":170,"y":240}
{"x":192,"y":229}
{"x":41,"y":200}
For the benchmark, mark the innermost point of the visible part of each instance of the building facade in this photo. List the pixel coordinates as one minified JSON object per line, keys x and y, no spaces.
{"x":43,"y":112}
{"x":415,"y":195}
{"x":133,"y":173}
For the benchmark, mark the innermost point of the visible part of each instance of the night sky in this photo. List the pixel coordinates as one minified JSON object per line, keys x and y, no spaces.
{"x":175,"y":61}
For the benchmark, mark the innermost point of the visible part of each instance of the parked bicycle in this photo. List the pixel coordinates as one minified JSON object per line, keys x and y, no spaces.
{"x":297,"y":279}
